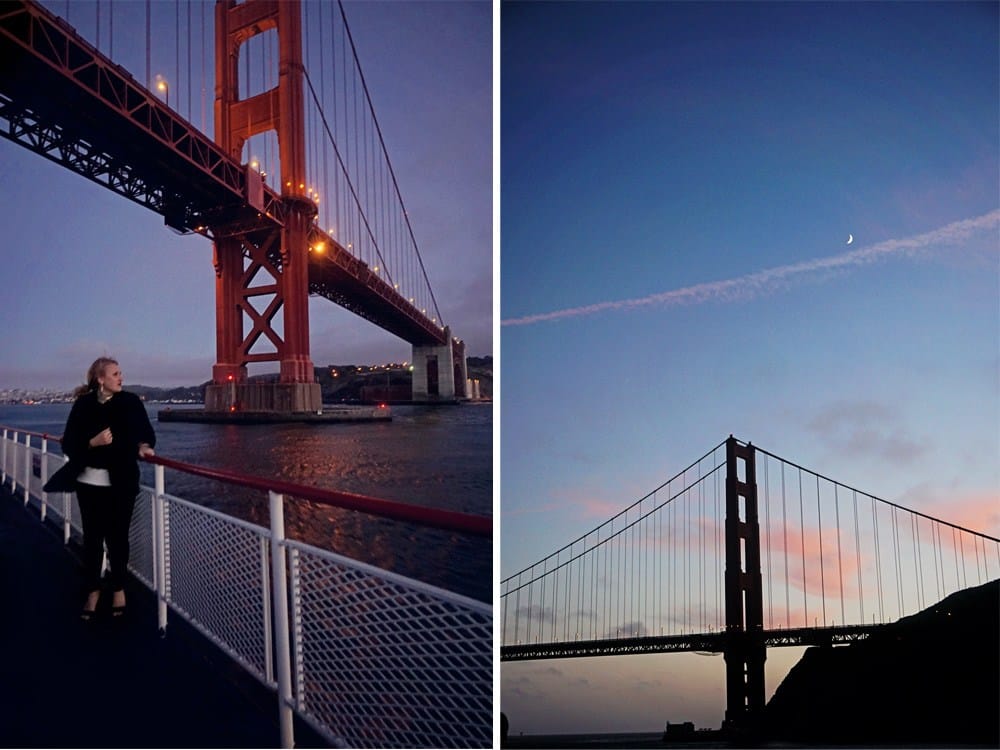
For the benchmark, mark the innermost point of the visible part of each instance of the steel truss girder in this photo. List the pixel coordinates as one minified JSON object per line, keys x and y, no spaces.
{"x":26,"y":129}
{"x":703,"y":642}
{"x":91,"y":99}
{"x":347,"y":281}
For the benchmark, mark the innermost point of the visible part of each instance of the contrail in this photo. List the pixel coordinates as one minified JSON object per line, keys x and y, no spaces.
{"x":743,"y":287}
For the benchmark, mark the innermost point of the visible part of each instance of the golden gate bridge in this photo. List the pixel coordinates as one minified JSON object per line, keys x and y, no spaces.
{"x":294,"y":186}
{"x":739,"y":552}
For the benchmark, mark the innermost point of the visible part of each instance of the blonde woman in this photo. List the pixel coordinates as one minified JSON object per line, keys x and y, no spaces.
{"x":106,"y":433}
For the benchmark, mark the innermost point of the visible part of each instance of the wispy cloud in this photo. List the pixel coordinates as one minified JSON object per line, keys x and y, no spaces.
{"x":755,"y":284}
{"x":867,"y":429}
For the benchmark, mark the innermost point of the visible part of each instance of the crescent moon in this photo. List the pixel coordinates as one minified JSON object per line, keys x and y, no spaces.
{"x":850,"y":239}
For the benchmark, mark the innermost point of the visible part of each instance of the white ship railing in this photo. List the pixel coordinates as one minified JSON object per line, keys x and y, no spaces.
{"x":366,"y":657}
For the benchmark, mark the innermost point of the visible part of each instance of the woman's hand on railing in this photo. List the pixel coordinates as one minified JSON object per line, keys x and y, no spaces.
{"x":145,"y":450}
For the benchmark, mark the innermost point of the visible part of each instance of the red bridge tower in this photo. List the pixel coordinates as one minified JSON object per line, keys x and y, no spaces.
{"x":263,"y":262}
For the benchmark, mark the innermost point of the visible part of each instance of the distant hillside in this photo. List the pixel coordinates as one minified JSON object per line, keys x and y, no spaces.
{"x":338,"y":383}
{"x":933,"y":677}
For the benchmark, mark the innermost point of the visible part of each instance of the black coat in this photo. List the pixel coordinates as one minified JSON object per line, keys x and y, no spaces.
{"x":125,"y":414}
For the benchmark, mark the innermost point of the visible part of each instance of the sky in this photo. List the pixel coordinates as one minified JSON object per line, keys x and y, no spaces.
{"x":679,"y":185}
{"x":95,"y":274}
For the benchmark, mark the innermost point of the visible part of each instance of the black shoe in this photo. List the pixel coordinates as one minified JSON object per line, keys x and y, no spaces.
{"x":118,"y":610}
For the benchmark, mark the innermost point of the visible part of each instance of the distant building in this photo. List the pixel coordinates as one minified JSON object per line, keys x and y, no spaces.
{"x":680,"y":732}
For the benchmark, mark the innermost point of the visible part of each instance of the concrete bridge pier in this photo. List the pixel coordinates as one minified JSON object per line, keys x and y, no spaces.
{"x":440,"y":372}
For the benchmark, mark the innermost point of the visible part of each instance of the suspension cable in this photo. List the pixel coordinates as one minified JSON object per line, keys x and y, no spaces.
{"x":347,"y":177}
{"x":385,"y":152}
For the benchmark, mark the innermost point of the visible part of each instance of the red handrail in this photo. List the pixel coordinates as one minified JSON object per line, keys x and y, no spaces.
{"x":448,"y":520}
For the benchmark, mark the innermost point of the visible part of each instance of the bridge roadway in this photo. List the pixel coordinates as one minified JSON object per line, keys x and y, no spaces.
{"x":703,"y":642}
{"x":67,"y":683}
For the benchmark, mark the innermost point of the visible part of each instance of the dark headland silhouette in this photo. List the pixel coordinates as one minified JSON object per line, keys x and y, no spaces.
{"x":933,"y":677}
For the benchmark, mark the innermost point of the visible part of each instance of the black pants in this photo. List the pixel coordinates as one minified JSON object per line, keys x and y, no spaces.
{"x":106,"y":513}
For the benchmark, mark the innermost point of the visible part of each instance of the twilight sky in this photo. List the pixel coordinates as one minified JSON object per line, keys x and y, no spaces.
{"x":92,"y":273}
{"x":678,"y":183}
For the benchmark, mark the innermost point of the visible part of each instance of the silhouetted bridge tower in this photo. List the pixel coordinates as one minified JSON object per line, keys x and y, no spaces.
{"x":740,"y":552}
{"x":63,"y":98}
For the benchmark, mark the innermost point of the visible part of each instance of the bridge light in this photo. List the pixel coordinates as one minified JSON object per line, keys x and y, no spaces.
{"x":302,"y":186}
{"x":375,"y":269}
{"x":254,"y":164}
{"x":164,"y":88}
{"x":320,"y":247}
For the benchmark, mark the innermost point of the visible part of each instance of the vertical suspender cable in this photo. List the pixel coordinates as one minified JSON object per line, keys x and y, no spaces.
{"x":111,"y":29}
{"x":687,"y":553}
{"x":719,"y":527}
{"x":588,"y":600}
{"x":343,"y":70}
{"x":975,"y":544}
{"x":897,"y":561}
{"x":97,"y":13}
{"x":857,"y":557}
{"x":555,"y":597}
{"x":517,"y":612}
{"x":954,"y":545}
{"x":965,"y":575}
{"x":657,"y":567}
{"x":934,"y":550}
{"x":822,"y":573}
{"x":784,"y":527}
{"x":328,"y":194}
{"x":701,"y":544}
{"x":878,"y":564}
{"x":767,"y":537}
{"x":650,"y":556}
{"x":177,"y":49}
{"x":204,"y":73}
{"x":940,"y":544}
{"x":188,"y":37}
{"x":669,"y":544}
{"x":579,"y":592}
{"x":802,"y":538}
{"x":149,"y":72}
{"x":840,"y":555}
{"x":917,"y":561}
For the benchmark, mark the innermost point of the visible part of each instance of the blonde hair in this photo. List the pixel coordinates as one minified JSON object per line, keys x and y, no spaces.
{"x":96,"y":370}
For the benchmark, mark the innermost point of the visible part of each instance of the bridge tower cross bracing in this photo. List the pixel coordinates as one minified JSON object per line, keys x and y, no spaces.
{"x":245,"y":254}
{"x":744,"y":649}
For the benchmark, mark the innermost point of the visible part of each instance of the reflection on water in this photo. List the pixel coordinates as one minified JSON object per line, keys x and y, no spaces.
{"x":438,"y":457}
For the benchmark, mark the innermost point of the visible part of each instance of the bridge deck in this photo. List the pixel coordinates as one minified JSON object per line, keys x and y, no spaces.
{"x":703,"y":642}
{"x":67,"y":683}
